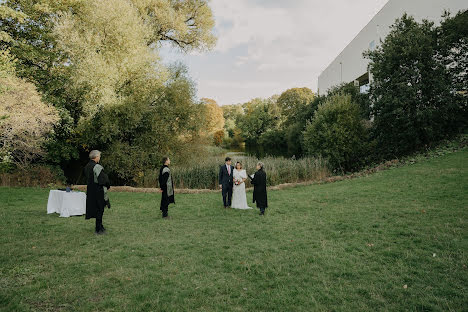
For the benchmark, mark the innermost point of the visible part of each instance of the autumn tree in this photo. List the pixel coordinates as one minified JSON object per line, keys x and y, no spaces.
{"x":214,"y":118}
{"x":25,"y":121}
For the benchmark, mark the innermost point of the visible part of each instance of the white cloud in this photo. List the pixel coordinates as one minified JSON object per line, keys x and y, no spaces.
{"x":267,"y":46}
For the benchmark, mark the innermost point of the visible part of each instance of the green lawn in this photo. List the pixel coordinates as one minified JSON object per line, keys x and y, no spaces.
{"x":345,"y":246}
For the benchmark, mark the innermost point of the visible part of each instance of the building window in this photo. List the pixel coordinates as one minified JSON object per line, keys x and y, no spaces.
{"x":364,"y":88}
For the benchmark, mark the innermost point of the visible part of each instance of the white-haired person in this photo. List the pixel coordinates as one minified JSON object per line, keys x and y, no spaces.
{"x":166,"y":185}
{"x":258,"y":179}
{"x":96,"y":191}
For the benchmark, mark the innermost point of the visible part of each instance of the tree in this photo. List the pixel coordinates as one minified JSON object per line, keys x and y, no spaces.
{"x":361,"y":99}
{"x":337,"y":133}
{"x":106,"y":42}
{"x":135,"y":135}
{"x":296,"y":107}
{"x":293,"y":101}
{"x":97,"y":62}
{"x":25,"y":121}
{"x":218,"y":137}
{"x":186,"y":24}
{"x":452,"y":53}
{"x":256,"y":119}
{"x":230,"y":113}
{"x":412,"y":101}
{"x":214,"y":119}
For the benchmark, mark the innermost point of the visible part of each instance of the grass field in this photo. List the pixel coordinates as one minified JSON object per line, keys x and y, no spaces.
{"x":346,"y":246}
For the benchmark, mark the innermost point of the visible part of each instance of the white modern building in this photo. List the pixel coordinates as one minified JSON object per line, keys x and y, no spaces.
{"x":350,"y":65}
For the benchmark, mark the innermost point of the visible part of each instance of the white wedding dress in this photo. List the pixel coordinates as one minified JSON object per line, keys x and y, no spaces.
{"x":239,"y":198}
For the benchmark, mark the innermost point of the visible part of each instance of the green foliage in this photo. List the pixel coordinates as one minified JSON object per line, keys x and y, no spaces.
{"x":345,"y":246}
{"x":135,"y":135}
{"x":338,"y":133}
{"x":272,"y":142}
{"x":412,"y":100}
{"x":452,"y":36}
{"x":297,"y":107}
{"x":36,"y":175}
{"x":97,"y":62}
{"x":361,"y":99}
{"x":293,"y":101}
{"x":231,"y":113}
{"x":259,"y":116}
{"x":62,"y":145}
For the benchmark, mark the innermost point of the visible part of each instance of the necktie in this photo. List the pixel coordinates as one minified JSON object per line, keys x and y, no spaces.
{"x":229,"y":170}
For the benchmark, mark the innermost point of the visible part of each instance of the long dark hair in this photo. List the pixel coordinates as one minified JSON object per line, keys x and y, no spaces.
{"x":164,"y":159}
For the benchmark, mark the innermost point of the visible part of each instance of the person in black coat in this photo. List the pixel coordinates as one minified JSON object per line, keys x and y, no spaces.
{"x":167,"y":187}
{"x":260,"y":191}
{"x":226,"y":181}
{"x":96,"y":190}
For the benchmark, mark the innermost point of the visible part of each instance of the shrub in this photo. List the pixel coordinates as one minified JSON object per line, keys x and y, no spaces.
{"x":36,"y":175}
{"x":337,"y":133}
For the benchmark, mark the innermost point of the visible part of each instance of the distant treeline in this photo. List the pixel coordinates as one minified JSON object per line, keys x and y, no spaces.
{"x":418,"y":96}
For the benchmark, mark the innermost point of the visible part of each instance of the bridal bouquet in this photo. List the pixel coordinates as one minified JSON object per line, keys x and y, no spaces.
{"x":236,"y":182}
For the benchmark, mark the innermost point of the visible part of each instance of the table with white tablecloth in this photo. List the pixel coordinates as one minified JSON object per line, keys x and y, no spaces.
{"x":66,"y":203}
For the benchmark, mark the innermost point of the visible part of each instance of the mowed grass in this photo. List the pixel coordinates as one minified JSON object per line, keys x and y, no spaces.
{"x":345,"y":246}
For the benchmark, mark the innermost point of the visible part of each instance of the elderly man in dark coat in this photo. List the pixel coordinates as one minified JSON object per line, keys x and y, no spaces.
{"x":260,"y":191}
{"x":96,"y":191}
{"x":167,"y":187}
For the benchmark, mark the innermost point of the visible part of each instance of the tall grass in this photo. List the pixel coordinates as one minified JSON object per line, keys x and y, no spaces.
{"x":203,"y":174}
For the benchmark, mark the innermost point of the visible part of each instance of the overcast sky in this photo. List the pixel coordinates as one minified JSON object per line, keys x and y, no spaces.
{"x":267,"y":46}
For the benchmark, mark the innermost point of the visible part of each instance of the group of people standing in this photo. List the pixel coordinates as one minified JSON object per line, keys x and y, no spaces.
{"x":231,"y":181}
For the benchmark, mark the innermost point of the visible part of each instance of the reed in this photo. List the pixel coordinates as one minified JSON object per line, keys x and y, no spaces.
{"x":203,"y":173}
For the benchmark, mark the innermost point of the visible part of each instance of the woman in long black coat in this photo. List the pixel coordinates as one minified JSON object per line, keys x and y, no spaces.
{"x":167,"y":187}
{"x":260,"y":190}
{"x":96,"y":190}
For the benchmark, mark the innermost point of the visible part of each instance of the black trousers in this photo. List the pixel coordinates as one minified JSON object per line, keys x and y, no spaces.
{"x":164,"y":208}
{"x":99,"y":226}
{"x":227,"y":195}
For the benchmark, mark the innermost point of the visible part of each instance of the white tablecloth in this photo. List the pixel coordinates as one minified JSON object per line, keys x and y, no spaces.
{"x":66,"y":203}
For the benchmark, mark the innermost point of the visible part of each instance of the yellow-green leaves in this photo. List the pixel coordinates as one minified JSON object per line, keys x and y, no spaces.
{"x":107,"y":44}
{"x":187,"y":24}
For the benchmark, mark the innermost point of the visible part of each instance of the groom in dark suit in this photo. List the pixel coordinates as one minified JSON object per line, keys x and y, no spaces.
{"x":226,"y":181}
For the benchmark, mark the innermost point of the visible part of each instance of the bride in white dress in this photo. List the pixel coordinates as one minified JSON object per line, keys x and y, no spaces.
{"x":239,"y":198}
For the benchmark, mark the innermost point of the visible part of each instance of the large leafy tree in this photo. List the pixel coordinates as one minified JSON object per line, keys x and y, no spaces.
{"x":453,"y":54}
{"x":293,"y":102}
{"x":297,"y":106}
{"x":337,"y":133}
{"x":259,"y":116}
{"x":98,"y":62}
{"x":412,"y":100}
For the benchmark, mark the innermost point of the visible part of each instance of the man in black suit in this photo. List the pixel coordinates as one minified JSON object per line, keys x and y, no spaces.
{"x":226,"y":181}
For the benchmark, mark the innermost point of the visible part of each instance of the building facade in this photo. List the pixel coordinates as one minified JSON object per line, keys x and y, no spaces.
{"x":350,"y":65}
